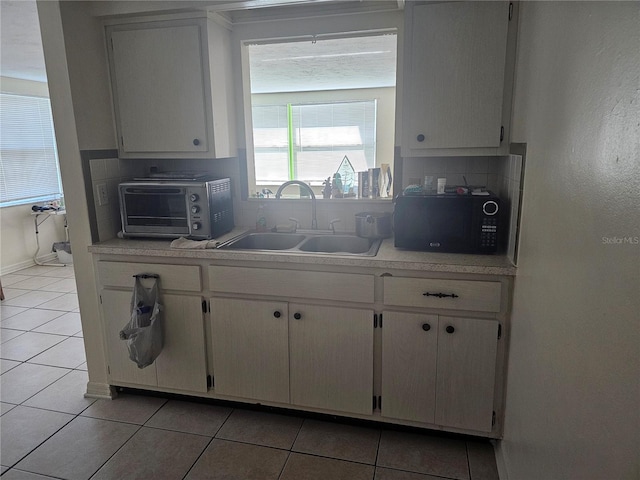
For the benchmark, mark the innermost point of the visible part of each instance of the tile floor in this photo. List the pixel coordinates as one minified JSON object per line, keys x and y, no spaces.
{"x":49,"y":430}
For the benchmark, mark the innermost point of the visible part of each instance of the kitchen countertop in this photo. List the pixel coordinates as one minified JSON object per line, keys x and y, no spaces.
{"x":388,"y":256}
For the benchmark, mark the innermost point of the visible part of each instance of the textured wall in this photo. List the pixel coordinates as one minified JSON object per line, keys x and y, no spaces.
{"x":574,"y":369}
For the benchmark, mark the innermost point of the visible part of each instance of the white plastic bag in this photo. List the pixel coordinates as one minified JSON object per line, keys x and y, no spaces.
{"x":144,"y":332}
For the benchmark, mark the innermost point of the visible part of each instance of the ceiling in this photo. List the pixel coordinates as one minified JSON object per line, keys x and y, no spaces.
{"x":317,"y":64}
{"x":21,"y":54}
{"x":323,"y":64}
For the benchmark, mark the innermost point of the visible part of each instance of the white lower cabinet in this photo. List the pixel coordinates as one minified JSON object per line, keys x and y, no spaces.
{"x":310,"y":340}
{"x":250,"y":348}
{"x":409,"y":360}
{"x":331,"y":357}
{"x":439,"y":369}
{"x":306,"y":355}
{"x":182,"y":363}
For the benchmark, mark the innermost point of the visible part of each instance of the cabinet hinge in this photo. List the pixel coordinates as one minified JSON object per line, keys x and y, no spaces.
{"x":510,"y":10}
{"x":205,"y":307}
{"x":501,"y":133}
{"x":493,"y":418}
{"x":209,"y":381}
{"x":499,"y":331}
{"x":375,"y":403}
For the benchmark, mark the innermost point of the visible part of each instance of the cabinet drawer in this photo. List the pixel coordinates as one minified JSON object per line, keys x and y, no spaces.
{"x":346,"y":287}
{"x":469,"y":295}
{"x":184,"y":278}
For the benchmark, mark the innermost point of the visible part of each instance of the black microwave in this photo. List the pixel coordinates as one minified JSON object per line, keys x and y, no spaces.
{"x":448,"y":223}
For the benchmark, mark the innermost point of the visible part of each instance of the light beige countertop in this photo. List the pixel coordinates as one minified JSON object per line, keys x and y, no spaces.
{"x":388,"y":256}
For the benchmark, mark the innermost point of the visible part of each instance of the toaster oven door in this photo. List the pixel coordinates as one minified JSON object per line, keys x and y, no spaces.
{"x":154,"y":211}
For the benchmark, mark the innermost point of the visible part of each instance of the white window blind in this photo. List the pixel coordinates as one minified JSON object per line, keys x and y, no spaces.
{"x":29,"y":170}
{"x":313,"y":144}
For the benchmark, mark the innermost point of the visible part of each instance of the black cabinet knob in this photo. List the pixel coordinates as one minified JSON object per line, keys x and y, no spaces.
{"x":196,"y":142}
{"x":426,"y":327}
{"x":297,"y":316}
{"x":277,"y":314}
{"x":420,"y":138}
{"x":450,"y":329}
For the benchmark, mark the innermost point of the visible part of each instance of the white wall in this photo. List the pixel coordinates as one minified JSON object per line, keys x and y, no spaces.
{"x":17,"y":230}
{"x":572,"y":407}
{"x":18,"y":237}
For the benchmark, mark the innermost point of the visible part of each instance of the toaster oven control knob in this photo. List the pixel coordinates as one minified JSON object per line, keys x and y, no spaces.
{"x":196,"y":225}
{"x":194,"y":197}
{"x":195,"y":209}
{"x":490,"y":208}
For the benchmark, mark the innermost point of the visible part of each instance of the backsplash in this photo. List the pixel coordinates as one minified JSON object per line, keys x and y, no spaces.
{"x":510,"y":183}
{"x":503,"y":175}
{"x":279,"y":212}
{"x":479,"y":171}
{"x":109,"y":172}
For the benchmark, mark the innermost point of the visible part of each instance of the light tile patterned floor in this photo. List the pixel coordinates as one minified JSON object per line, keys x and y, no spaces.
{"x":49,"y":430}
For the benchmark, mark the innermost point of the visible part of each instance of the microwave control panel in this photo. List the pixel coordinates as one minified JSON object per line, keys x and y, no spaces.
{"x":489,"y":232}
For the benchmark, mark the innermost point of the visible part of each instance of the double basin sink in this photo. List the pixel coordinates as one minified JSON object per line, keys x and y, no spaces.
{"x":311,"y":242}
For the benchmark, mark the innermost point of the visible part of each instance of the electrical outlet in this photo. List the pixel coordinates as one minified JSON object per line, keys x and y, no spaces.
{"x":103,"y":195}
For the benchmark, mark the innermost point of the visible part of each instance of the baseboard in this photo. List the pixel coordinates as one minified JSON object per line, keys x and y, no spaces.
{"x":51,"y":257}
{"x":100,"y":390}
{"x":17,"y":266}
{"x":500,"y":460}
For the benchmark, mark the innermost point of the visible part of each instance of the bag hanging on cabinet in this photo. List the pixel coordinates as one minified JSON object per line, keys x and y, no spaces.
{"x":144,"y":332}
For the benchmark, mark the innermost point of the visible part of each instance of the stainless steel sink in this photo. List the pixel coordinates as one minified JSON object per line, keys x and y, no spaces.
{"x":310,"y":243}
{"x":338,"y":244}
{"x":265,"y":241}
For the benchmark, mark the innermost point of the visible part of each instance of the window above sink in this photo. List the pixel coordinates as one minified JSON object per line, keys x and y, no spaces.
{"x":312,"y":100}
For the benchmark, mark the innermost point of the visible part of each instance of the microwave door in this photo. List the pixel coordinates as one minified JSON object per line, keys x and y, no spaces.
{"x":446,"y":227}
{"x":437,"y":224}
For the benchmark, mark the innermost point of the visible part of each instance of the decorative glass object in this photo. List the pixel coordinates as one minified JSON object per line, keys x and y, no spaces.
{"x":347,"y":175}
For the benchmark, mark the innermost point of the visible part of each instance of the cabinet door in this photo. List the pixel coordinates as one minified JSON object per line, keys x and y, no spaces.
{"x":250,"y":349}
{"x":409,"y":356}
{"x":331,"y":351}
{"x":466,"y":372}
{"x":116,"y":309}
{"x":158,"y":80}
{"x":455,"y":77}
{"x":182,"y":364}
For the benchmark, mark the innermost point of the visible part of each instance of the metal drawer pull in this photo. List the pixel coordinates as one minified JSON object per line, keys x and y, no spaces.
{"x":441,"y":295}
{"x":146,"y":275}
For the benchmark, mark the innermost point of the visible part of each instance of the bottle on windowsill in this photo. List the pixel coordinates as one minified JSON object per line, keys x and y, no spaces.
{"x":261,"y":220}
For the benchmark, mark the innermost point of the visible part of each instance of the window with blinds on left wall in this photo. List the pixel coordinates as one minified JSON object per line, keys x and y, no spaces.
{"x":29,"y":169}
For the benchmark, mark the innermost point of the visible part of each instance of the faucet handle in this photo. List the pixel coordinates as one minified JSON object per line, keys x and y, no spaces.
{"x":296,"y":222}
{"x":332,"y":226}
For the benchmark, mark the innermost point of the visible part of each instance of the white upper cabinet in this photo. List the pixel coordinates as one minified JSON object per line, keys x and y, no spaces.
{"x":171,"y":84}
{"x":454,"y":78}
